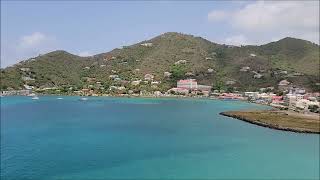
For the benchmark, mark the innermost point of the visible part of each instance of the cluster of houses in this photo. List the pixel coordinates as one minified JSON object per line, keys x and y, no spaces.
{"x":24,"y":92}
{"x":296,"y":99}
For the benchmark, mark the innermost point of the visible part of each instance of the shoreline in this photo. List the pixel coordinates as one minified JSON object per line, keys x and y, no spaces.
{"x":232,"y":114}
{"x":248,"y":117}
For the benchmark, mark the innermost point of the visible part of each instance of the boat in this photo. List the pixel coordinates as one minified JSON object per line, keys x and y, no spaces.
{"x":35,"y":98}
{"x":59,"y":98}
{"x":83,"y":99}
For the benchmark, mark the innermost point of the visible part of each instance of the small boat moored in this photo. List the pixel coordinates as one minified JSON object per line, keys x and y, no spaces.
{"x":83,"y":99}
{"x":35,"y":98}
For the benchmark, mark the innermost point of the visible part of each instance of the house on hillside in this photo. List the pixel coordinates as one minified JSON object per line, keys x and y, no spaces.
{"x":25,"y":69}
{"x":283,"y":72}
{"x":187,"y":84}
{"x":284,"y":83}
{"x":146,"y":44}
{"x":257,"y":76}
{"x":167,"y":74}
{"x":113,"y":76}
{"x":26,"y":78}
{"x":245,"y":69}
{"x":135,"y":83}
{"x":180,"y":62}
{"x":230,"y":82}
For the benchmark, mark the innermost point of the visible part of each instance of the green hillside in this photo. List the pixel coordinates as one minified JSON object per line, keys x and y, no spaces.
{"x":209,"y":63}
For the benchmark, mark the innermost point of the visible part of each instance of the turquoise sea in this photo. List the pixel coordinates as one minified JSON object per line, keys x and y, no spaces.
{"x":137,"y":138}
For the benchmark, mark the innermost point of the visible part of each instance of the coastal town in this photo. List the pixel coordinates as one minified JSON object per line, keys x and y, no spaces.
{"x":291,"y":98}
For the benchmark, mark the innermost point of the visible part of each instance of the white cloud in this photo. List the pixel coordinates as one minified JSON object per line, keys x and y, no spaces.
{"x":237,"y":40}
{"x":266,"y":16}
{"x":84,"y":54}
{"x":32,"y":40}
{"x":266,"y":20}
{"x":25,"y":47}
{"x":217,"y":15}
{"x":35,"y":44}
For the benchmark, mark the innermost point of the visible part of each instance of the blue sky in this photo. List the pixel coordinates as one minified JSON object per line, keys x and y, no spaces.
{"x":86,"y":28}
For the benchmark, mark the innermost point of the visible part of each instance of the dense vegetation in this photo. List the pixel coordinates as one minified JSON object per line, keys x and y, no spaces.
{"x":209,"y":63}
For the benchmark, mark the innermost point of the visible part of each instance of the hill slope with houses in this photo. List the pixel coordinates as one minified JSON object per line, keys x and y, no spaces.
{"x":157,"y":64}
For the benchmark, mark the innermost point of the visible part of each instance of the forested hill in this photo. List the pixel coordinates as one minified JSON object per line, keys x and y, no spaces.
{"x":184,"y":56}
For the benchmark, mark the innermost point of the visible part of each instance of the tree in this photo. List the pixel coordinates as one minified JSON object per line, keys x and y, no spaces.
{"x":314,"y":108}
{"x":219,"y":84}
{"x":178,"y":71}
{"x":220,"y":53}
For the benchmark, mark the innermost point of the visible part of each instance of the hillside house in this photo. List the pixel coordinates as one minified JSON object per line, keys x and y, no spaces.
{"x":28,"y":87}
{"x":25,"y":69}
{"x":297,"y":91}
{"x":284,"y":83}
{"x":283,"y":72}
{"x":180,"y":62}
{"x":253,"y":95}
{"x":230,"y":82}
{"x":257,"y":76}
{"x":135,"y":83}
{"x":245,"y":69}
{"x":26,"y":78}
{"x":167,"y":74}
{"x":146,"y":44}
{"x":189,"y":84}
{"x":113,"y":76}
{"x":210,"y":70}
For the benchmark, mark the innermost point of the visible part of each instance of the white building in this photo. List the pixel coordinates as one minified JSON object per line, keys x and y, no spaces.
{"x":146,"y":44}
{"x":167,"y":74}
{"x":135,"y":83}
{"x":187,"y":84}
{"x":180,"y":62}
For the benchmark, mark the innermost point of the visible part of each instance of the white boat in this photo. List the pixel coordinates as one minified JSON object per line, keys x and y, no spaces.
{"x":83,"y":99}
{"x":59,"y":98}
{"x":35,"y":97}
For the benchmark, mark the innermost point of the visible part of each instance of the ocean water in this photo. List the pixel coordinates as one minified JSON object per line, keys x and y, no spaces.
{"x":136,"y":138}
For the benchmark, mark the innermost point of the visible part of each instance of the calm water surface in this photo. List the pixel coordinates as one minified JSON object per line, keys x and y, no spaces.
{"x":145,"y":139}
